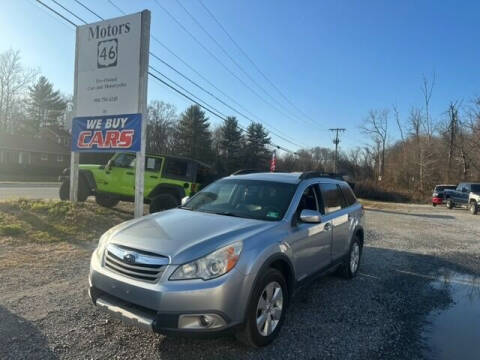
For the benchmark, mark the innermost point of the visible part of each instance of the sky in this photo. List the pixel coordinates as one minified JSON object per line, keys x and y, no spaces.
{"x":333,"y":60}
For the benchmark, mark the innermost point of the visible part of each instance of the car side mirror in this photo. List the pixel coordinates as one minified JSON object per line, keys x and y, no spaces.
{"x":185,"y":199}
{"x":310,"y":216}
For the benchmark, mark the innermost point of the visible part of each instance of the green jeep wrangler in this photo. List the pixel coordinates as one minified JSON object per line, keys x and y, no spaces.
{"x":167,"y":180}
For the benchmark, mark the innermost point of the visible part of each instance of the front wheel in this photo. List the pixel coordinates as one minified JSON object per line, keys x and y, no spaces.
{"x":82,"y":194}
{"x":266,"y":310}
{"x":433,"y":204}
{"x":473,"y":208}
{"x":450,"y":204}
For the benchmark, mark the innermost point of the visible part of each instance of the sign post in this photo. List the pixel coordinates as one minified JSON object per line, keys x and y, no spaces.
{"x":110,"y":93}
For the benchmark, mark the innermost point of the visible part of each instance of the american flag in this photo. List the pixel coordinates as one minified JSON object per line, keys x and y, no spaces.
{"x":273,"y":163}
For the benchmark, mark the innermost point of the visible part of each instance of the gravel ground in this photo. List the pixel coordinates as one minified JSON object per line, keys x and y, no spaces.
{"x":45,"y":312}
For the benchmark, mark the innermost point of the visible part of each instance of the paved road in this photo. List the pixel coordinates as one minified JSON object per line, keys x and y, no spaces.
{"x":29,"y":190}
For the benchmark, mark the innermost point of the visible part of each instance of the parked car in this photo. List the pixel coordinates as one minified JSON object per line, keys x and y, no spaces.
{"x":465,"y":195}
{"x":167,"y":180}
{"x":231,"y":257}
{"x":438,"y":197}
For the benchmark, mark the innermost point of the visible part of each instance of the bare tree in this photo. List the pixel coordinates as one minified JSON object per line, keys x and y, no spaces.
{"x":376,"y":126}
{"x":14,"y":80}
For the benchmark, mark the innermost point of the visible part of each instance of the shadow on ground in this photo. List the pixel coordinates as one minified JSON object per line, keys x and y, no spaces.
{"x":20,"y":339}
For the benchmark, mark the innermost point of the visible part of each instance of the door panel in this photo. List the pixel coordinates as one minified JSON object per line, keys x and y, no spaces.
{"x":310,"y":243}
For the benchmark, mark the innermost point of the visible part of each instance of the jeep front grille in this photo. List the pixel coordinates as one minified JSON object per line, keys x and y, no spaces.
{"x":134,"y":263}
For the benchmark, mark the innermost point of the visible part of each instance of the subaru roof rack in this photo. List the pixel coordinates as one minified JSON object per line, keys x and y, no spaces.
{"x":244,"y":172}
{"x":314,"y":174}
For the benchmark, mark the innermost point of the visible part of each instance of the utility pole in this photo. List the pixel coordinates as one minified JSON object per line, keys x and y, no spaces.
{"x":336,"y":141}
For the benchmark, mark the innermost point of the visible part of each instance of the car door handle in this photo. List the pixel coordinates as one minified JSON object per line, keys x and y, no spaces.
{"x":327,"y":226}
{"x":129,"y":173}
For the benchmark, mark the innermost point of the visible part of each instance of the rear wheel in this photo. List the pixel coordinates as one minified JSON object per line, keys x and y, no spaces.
{"x":82,"y":194}
{"x":266,"y":310}
{"x":473,"y":207}
{"x":351,"y":263}
{"x":105,"y":200}
{"x":450,"y":204}
{"x":163,"y":202}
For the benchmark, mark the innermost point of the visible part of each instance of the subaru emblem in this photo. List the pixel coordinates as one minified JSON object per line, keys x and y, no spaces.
{"x":129,"y":258}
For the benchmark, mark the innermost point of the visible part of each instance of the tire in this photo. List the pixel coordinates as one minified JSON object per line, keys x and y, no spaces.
{"x":473,"y":207}
{"x":351,"y":264}
{"x":163,"y":202}
{"x":272,"y":308}
{"x":106,"y":201}
{"x":433,"y":204}
{"x":450,"y":204}
{"x":83,"y":192}
{"x":64,"y":192}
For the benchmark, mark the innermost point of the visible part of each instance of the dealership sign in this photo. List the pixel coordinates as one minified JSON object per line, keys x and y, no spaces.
{"x":107,"y":133}
{"x":110,"y":93}
{"x":107,"y":86}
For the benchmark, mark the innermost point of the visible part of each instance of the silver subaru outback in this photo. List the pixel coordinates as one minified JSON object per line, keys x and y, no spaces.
{"x":231,"y":257}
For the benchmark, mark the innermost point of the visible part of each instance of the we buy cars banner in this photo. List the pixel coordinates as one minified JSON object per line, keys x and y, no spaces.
{"x":110,"y":133}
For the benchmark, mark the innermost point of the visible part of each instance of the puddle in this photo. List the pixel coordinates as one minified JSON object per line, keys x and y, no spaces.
{"x":454,"y":332}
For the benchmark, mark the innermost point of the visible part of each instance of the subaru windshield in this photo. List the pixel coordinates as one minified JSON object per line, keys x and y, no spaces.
{"x":253,"y":199}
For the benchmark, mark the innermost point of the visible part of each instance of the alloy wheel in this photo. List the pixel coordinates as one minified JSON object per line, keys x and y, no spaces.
{"x":269,"y":308}
{"x":354,"y":257}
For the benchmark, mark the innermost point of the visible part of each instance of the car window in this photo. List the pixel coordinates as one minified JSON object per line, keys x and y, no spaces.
{"x":475,"y":188}
{"x":153,"y":164}
{"x":350,"y":198}
{"x":332,"y":197}
{"x":309,"y":200}
{"x":176,"y":169}
{"x":124,"y":160}
{"x":253,"y":199}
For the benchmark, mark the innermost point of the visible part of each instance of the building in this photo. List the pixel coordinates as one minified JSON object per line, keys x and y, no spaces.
{"x":43,"y":156}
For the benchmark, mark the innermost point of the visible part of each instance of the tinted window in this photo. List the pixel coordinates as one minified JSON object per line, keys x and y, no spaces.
{"x":332,"y":197}
{"x":176,"y":168}
{"x":348,"y":195}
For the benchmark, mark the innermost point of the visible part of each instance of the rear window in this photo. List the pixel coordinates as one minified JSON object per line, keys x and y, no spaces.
{"x":350,"y":198}
{"x":177,"y":169}
{"x":475,"y":188}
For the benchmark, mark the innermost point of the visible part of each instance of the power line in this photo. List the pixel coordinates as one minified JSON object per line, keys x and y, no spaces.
{"x":253,"y":63}
{"x":275,"y":130}
{"x":230,"y":57}
{"x":207,"y":107}
{"x":221,"y":62}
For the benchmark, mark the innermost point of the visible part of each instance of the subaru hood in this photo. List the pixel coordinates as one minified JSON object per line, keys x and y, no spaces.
{"x":185,"y":235}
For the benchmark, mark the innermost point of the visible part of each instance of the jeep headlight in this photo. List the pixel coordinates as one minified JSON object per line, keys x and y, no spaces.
{"x":213,"y":265}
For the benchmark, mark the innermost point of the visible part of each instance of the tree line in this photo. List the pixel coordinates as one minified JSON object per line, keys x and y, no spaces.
{"x":406,"y":154}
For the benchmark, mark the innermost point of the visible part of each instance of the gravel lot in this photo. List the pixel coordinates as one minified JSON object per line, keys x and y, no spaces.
{"x":383,"y":313}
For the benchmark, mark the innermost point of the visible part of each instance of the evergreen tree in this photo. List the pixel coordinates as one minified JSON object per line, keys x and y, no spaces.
{"x":193,"y":137}
{"x":230,"y":145}
{"x":45,"y":106}
{"x":256,"y":154}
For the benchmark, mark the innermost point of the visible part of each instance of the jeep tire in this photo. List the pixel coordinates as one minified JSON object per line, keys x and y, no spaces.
{"x":82,"y":194}
{"x":163,"y":202}
{"x":106,"y":201}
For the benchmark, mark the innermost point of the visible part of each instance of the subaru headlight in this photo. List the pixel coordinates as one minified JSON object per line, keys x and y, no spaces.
{"x":213,"y":265}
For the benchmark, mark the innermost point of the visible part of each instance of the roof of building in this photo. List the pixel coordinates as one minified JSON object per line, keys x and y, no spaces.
{"x":29,"y":143}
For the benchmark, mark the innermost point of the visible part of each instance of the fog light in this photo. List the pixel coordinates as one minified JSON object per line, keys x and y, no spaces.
{"x":200,"y":321}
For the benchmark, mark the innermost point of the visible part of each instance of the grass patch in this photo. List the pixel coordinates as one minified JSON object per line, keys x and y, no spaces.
{"x":45,"y":221}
